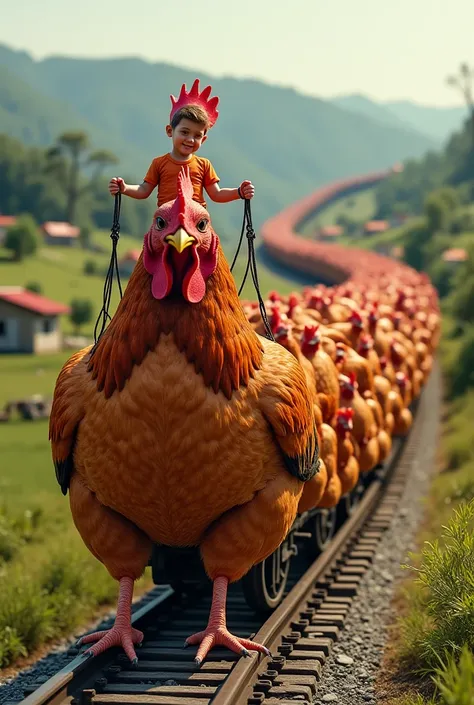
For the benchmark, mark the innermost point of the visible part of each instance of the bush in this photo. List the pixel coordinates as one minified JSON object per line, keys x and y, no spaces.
{"x":446,"y":575}
{"x":462,"y":376}
{"x":81,"y":312}
{"x":15,"y":532}
{"x":90,"y":267}
{"x":35,"y":287}
{"x":454,"y":679}
{"x":35,"y":608}
{"x":23,"y":237}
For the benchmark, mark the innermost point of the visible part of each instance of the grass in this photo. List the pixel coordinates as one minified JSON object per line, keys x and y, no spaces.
{"x":49,"y":582}
{"x":358,"y":206}
{"x":433,"y":645}
{"x":24,"y":375}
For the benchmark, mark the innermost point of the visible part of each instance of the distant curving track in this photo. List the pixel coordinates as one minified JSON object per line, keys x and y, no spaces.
{"x":324,"y":260}
{"x":301,"y":631}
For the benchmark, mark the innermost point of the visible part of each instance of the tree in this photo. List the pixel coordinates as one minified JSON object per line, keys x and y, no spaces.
{"x":462,"y":377}
{"x":68,"y":159}
{"x":463,"y":81}
{"x":416,"y":236}
{"x":463,"y":290}
{"x":81,"y":313}
{"x":22,"y":238}
{"x":85,"y":237}
{"x":439,"y":208}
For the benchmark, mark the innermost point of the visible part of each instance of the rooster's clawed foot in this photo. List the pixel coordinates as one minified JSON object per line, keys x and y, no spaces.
{"x":124,"y":636}
{"x":220,"y":636}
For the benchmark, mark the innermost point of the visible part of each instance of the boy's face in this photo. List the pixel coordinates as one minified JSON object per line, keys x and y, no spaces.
{"x":187,"y":136}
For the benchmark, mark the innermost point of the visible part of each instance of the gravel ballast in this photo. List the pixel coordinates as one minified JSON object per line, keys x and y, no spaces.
{"x":350,"y":671}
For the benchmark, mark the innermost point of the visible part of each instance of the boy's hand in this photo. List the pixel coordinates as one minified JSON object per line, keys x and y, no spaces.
{"x":116,"y":184}
{"x":247,"y":189}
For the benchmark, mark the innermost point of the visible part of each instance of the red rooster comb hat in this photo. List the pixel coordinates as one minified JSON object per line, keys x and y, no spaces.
{"x":209,"y":105}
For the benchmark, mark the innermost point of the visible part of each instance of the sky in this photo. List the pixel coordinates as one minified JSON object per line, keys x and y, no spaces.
{"x":387,"y":50}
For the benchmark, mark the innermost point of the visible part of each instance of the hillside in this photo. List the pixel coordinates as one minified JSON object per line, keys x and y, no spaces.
{"x":285,"y":142}
{"x":431,"y":121}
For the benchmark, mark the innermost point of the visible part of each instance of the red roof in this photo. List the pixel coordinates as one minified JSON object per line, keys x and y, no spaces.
{"x":59,"y":229}
{"x":131,"y":256}
{"x":376,"y":226}
{"x":331,"y":230}
{"x":30,"y":301}
{"x":455,"y":254}
{"x":6,"y":221}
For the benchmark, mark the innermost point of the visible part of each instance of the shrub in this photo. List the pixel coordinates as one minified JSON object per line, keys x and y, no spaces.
{"x":454,"y":679}
{"x":90,"y":267}
{"x":35,"y":287}
{"x":22,"y":238}
{"x":446,"y":575}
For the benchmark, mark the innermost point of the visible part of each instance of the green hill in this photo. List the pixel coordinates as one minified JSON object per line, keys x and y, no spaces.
{"x":287,"y":143}
{"x":434,"y":122}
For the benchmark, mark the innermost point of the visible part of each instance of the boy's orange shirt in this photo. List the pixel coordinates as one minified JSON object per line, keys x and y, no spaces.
{"x":164,"y":170}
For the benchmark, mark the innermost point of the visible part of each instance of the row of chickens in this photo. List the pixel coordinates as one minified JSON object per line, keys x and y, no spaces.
{"x":366,"y":353}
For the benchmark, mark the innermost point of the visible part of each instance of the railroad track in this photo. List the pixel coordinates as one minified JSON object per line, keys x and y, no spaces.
{"x":299,"y":633}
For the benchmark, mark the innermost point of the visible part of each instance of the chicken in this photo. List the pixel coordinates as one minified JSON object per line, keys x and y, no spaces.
{"x":327,"y":382}
{"x":347,"y":465}
{"x":333,"y":490}
{"x":352,"y":328}
{"x":182,"y":426}
{"x":348,"y":360}
{"x":364,"y":424}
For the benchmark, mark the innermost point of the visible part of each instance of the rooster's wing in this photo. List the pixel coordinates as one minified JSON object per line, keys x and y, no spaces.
{"x":286,"y":403}
{"x":66,"y":413}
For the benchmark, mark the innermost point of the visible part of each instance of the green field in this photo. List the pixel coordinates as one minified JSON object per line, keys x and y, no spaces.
{"x":359,"y":206}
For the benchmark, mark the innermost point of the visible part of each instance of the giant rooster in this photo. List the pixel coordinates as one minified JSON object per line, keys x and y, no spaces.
{"x":182,"y":426}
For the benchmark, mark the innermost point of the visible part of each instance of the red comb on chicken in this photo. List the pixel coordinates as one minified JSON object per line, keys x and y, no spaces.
{"x":344,"y":418}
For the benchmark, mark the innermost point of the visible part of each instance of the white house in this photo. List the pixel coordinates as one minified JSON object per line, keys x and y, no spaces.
{"x":29,"y":322}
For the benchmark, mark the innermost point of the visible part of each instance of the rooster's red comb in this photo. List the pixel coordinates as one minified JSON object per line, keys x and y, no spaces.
{"x":293,"y":300}
{"x":209,"y":105}
{"x":309,"y":332}
{"x":185,"y":190}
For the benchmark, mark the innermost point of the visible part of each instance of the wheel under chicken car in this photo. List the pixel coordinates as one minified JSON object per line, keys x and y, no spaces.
{"x":321,"y":525}
{"x":264,"y":585}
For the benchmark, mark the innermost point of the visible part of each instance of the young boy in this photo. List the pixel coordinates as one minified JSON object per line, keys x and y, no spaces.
{"x":192,"y":115}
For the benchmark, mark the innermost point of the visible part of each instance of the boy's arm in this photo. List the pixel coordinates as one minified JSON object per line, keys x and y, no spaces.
{"x":139,"y":191}
{"x":225,"y":195}
{"x":142,"y":190}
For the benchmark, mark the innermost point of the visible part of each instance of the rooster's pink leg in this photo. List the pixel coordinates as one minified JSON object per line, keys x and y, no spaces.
{"x":122,"y":633}
{"x":216,"y":633}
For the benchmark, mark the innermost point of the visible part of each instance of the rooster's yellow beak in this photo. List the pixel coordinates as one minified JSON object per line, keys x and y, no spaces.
{"x":180,"y":239}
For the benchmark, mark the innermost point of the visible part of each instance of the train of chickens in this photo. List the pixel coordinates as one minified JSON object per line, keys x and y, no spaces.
{"x":188,"y":439}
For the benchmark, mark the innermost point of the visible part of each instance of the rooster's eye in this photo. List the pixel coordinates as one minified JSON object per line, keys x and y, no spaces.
{"x":160,"y":223}
{"x":202,"y":225}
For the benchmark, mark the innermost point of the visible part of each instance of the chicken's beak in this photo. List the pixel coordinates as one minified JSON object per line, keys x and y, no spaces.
{"x":180,"y":240}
